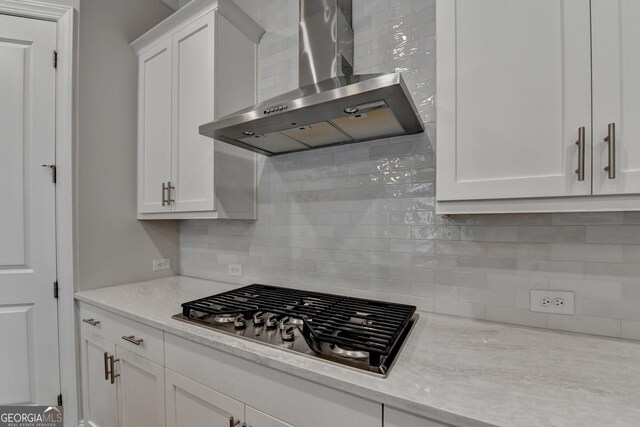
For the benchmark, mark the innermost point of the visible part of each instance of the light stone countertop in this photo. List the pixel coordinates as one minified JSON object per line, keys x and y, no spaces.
{"x":455,"y":370}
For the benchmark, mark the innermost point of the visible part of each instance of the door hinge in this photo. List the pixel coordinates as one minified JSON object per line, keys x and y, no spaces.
{"x":60,"y":400}
{"x":55,"y":289}
{"x":55,"y":59}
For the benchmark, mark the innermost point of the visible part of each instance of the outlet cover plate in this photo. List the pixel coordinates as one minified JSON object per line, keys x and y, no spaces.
{"x":235,"y":270}
{"x":161,"y":264}
{"x":561,"y":302}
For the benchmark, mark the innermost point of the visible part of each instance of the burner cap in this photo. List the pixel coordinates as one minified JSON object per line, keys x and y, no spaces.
{"x":344,"y":350}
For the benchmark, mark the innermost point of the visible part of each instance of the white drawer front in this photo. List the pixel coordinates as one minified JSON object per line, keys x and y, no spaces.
{"x":285,"y":397}
{"x":140,"y":339}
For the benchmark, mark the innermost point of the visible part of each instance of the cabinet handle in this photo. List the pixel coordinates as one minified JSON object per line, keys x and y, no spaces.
{"x":233,"y":422}
{"x":132,"y":339}
{"x":611,"y":140}
{"x":169,"y":188}
{"x":164,"y":190}
{"x":113,"y":369}
{"x":91,"y":321}
{"x":106,"y":366}
{"x":580,"y":144}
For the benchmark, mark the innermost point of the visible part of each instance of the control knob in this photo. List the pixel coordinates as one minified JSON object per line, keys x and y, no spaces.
{"x":287,"y":334}
{"x":240,"y":322}
{"x":271,"y":322}
{"x":258,"y":318}
{"x":284,"y":322}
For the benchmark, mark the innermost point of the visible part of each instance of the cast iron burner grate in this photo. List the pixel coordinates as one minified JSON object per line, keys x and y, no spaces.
{"x":348,"y":325}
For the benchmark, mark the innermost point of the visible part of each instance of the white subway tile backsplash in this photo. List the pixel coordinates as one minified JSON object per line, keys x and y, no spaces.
{"x":619,"y":234}
{"x":460,"y":308}
{"x":489,"y":233}
{"x":519,"y":316}
{"x":360,"y":219}
{"x":586,"y":324}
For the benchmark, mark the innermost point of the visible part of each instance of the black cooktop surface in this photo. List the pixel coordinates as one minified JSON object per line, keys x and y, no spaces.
{"x":357,"y":332}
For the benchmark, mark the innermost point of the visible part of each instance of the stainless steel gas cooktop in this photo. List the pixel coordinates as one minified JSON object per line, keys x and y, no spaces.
{"x":360,"y":333}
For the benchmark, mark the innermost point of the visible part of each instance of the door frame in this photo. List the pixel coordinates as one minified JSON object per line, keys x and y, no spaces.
{"x":66,"y":19}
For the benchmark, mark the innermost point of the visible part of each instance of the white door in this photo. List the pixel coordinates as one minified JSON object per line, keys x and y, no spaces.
{"x":190,"y":404}
{"x":140,"y":391}
{"x":616,"y":96}
{"x":255,"y":418}
{"x":193,"y":70}
{"x":29,"y":370}
{"x":514,"y":87}
{"x":154,"y":129}
{"x":99,"y":396}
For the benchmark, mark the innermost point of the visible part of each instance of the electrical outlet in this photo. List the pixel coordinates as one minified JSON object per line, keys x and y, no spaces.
{"x":235,"y":270}
{"x":556,"y":302}
{"x":161,"y":264}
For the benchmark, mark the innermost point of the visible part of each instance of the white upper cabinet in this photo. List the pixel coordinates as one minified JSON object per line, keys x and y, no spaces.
{"x":513,"y":89}
{"x":154,"y":127}
{"x":184,"y":82}
{"x":519,"y":82}
{"x":616,"y":96}
{"x":193,"y":97}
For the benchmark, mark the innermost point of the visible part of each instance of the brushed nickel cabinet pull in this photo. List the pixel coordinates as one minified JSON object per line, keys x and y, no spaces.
{"x":164,"y":198}
{"x":106,"y":366}
{"x":91,"y":321}
{"x":611,"y":140}
{"x":132,"y":339}
{"x":112,"y":369}
{"x":580,"y":144}
{"x":169,"y":188}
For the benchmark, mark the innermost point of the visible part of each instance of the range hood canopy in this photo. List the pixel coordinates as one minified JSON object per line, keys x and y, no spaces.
{"x":332,"y":106}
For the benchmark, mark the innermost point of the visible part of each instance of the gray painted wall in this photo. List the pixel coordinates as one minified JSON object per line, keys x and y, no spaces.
{"x":112,"y":247}
{"x":360,"y":219}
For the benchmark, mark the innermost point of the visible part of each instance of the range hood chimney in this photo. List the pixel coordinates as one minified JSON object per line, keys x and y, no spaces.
{"x":332,"y":106}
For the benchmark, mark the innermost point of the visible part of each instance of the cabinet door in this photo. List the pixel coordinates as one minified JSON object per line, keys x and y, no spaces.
{"x":255,"y":418}
{"x":616,"y":95}
{"x":514,"y":87}
{"x":190,"y":404}
{"x":154,"y":127}
{"x":397,"y":418}
{"x":193,"y":69}
{"x":99,"y":396}
{"x":140,"y":391}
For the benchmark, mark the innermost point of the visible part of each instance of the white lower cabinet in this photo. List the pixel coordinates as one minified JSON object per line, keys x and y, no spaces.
{"x":191,"y":404}
{"x":271,"y":398}
{"x":99,"y":396}
{"x":397,"y":418}
{"x":140,"y":385}
{"x":119,"y":387}
{"x":255,"y":418}
{"x":121,"y":370}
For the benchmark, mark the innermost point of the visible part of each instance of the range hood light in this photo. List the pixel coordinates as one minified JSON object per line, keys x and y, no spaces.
{"x":248,"y":133}
{"x":351,"y":110}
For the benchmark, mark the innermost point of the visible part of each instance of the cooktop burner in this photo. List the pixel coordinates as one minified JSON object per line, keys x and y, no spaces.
{"x":356,"y":332}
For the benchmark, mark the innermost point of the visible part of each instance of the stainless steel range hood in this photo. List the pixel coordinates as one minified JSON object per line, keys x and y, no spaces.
{"x":332,"y":106}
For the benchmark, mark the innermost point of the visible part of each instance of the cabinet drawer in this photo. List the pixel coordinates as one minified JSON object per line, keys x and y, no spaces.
{"x":140,"y":339}
{"x":286,"y":398}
